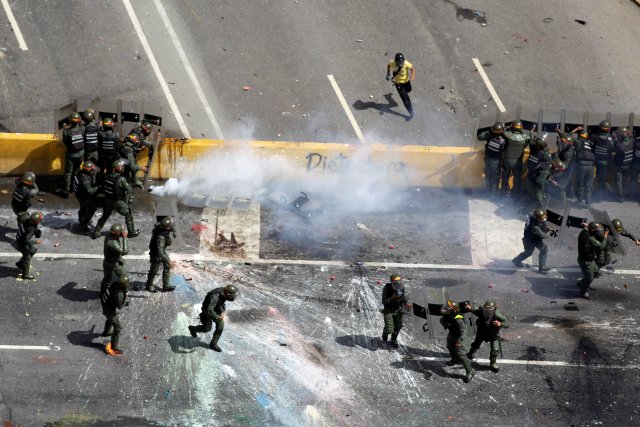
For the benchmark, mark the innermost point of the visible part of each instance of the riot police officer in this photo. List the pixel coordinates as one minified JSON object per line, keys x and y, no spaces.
{"x":623,"y":151}
{"x":28,"y":232}
{"x":142,"y":130}
{"x":513,"y":155}
{"x":91,"y":131}
{"x":213,"y":308}
{"x":635,"y":168}
{"x":617,"y":226}
{"x":535,"y":231}
{"x":73,"y":140}
{"x":117,"y":196}
{"x":489,"y":322}
{"x":394,"y":297}
{"x":538,"y":178}
{"x":127,"y":152}
{"x":114,"y":299}
{"x":25,"y":190}
{"x":160,"y":241}
{"x":566,"y":153}
{"x":453,"y":321}
{"x":603,"y":146}
{"x":108,"y":144}
{"x":538,"y":152}
{"x":493,"y":151}
{"x":589,"y":248}
{"x":85,"y":188}
{"x":585,"y":161}
{"x":116,"y":246}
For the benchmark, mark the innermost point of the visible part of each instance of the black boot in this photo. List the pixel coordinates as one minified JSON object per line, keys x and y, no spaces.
{"x":394,"y":340}
{"x":385,"y":336}
{"x":469,"y":376}
{"x":193,"y":332}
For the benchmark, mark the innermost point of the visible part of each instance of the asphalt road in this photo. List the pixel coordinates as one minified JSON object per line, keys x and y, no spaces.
{"x":535,"y":53}
{"x":301,"y":344}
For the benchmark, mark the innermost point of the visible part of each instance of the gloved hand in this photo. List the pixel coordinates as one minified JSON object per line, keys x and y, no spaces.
{"x":38,"y":233}
{"x":388,"y":77}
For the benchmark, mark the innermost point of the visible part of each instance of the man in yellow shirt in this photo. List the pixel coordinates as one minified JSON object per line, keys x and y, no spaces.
{"x":401,"y":72}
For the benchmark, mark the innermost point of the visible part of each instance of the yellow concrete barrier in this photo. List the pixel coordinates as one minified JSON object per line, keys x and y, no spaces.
{"x":404,"y":165}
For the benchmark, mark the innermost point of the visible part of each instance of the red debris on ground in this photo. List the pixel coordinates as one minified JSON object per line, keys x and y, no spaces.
{"x":246,"y":88}
{"x":626,"y":286}
{"x":332,"y":277}
{"x":188,"y":278}
{"x":392,"y":247}
{"x":524,"y":290}
{"x":56,"y":244}
{"x":198,"y":228}
{"x":145,"y":337}
{"x":490,"y":285}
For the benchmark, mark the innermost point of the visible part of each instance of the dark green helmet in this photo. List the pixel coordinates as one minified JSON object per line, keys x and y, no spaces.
{"x":605,"y":126}
{"x":145,"y":126}
{"x":584,"y":134}
{"x":540,"y":214}
{"x":118,"y":166}
{"x":617,"y":225}
{"x":28,"y":178}
{"x":541,"y":141}
{"x":489,"y":308}
{"x":593,"y":226}
{"x":107,"y":123}
{"x":166,"y":223}
{"x":498,"y":127}
{"x":124,"y":281}
{"x":231,"y":291}
{"x":517,"y":125}
{"x":36,"y":217}
{"x":89,"y":115}
{"x":87,"y":166}
{"x":624,"y":131}
{"x":568,"y":139}
{"x":75,"y":117}
{"x":116,"y":230}
{"x":558,"y":165}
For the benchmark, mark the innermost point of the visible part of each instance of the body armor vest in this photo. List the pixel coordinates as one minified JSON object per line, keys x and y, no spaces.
{"x":77,"y":139}
{"x":111,"y":188}
{"x":585,"y":151}
{"x":91,"y":137}
{"x":109,"y":142}
{"x":624,"y":150}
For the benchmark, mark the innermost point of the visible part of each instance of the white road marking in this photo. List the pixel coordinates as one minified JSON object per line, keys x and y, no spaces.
{"x":384,"y":265}
{"x":346,"y":108}
{"x":532,"y":363}
{"x":188,"y":68}
{"x":14,"y":25}
{"x":487,"y":82}
{"x":29,"y":347}
{"x":156,"y":69}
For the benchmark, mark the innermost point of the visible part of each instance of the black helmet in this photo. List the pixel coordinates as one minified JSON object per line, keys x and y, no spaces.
{"x":498,"y":127}
{"x":489,"y":308}
{"x":617,"y":225}
{"x":75,"y":117}
{"x":605,"y":126}
{"x":231,"y":291}
{"x":28,"y":178}
{"x":517,"y":125}
{"x":36,"y":217}
{"x":541,"y":140}
{"x":593,"y":226}
{"x":87,"y":166}
{"x":166,"y":223}
{"x":540,"y":214}
{"x":124,"y":281}
{"x":107,"y":123}
{"x":558,"y":165}
{"x":399,"y":59}
{"x":133,"y":138}
{"x":89,"y":115}
{"x":116,"y":230}
{"x":118,"y":166}
{"x":145,"y":126}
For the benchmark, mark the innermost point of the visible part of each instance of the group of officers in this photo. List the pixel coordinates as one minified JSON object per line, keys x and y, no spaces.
{"x":569,"y":171}
{"x":489,"y":322}
{"x":89,"y":144}
{"x":595,"y":246}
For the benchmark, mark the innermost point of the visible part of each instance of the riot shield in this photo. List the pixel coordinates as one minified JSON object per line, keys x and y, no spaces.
{"x":603,"y":218}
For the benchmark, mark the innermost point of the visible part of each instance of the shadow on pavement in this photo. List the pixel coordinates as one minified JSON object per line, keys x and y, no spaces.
{"x":382,"y":108}
{"x":364,"y":341}
{"x":551,"y":287}
{"x":426,"y":367}
{"x":504,"y":267}
{"x":84,"y":338}
{"x":8,"y":271}
{"x":185,"y":344}
{"x":70,"y":292}
{"x":63,"y":221}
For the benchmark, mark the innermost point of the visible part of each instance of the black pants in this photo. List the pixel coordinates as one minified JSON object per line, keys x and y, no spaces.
{"x":403,"y":90}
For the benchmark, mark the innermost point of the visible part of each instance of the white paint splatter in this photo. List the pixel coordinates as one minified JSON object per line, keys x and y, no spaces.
{"x":229,"y":371}
{"x":327,"y":320}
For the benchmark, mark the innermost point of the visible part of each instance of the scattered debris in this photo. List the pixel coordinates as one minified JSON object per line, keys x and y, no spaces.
{"x":188,"y":278}
{"x":392,"y":247}
{"x":358,"y":41}
{"x":246,"y":88}
{"x":524,"y":290}
{"x":490,"y":285}
{"x":3,"y":191}
{"x":231,"y":245}
{"x":547,"y":20}
{"x":167,"y":394}
{"x":145,"y":337}
{"x":580,"y":21}
{"x":56,"y":244}
{"x":198,"y":228}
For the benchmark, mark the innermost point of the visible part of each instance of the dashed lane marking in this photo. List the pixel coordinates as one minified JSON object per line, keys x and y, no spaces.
{"x":188,"y":68}
{"x":532,"y":363}
{"x":30,"y":347}
{"x":156,"y":68}
{"x":346,"y":108}
{"x":14,"y":25}
{"x":487,"y":82}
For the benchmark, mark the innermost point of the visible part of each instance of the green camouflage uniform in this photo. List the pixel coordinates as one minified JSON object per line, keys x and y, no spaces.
{"x":160,"y":240}
{"x":392,"y":302}
{"x":84,"y":185}
{"x":117,"y":196}
{"x":454,"y":323}
{"x":113,"y":263}
{"x":26,"y":244}
{"x":212,"y":309}
{"x":73,"y":140}
{"x":486,"y":332}
{"x":589,"y":251}
{"x":113,"y":299}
